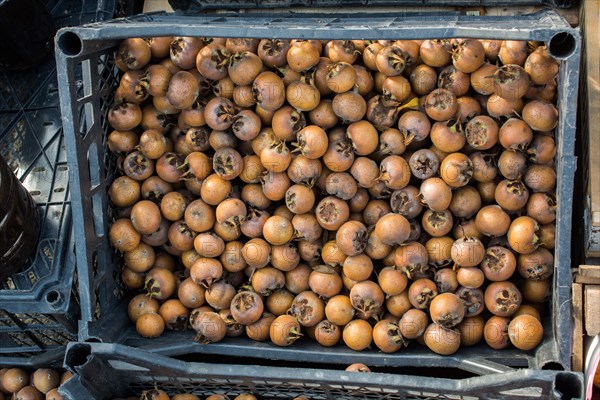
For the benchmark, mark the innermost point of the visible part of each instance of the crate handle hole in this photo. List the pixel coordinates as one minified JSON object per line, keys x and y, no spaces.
{"x":70,"y":43}
{"x":53,"y":297}
{"x":562,"y":45}
{"x":568,"y":385}
{"x":553,"y":366}
{"x":78,"y":355}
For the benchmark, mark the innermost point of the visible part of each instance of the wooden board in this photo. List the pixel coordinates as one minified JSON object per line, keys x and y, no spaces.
{"x":577,"y":358}
{"x":590,"y":114}
{"x":587,"y":274}
{"x":590,"y":271}
{"x":586,"y":280}
{"x":157,"y":5}
{"x":591,"y":305}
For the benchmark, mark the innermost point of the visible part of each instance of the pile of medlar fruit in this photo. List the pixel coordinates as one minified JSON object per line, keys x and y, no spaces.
{"x":41,"y":384}
{"x":366,"y":192}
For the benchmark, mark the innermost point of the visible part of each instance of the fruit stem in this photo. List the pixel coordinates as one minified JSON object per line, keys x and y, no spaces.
{"x":413,"y":104}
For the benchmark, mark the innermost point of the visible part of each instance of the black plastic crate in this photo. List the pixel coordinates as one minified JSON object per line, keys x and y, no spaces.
{"x":37,"y":86}
{"x":90,"y":48}
{"x":39,"y":308}
{"x":104,"y":371}
{"x":39,"y":305}
{"x":50,"y":359}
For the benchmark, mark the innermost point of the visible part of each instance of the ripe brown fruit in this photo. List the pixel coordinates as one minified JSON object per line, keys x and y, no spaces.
{"x":150,"y":325}
{"x":285,"y":330}
{"x":525,"y":332}
{"x":357,"y":334}
{"x":441,"y":340}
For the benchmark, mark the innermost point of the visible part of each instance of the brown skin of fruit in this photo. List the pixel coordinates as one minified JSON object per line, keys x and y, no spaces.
{"x":441,"y":105}
{"x":447,"y":310}
{"x":183,"y":90}
{"x":308,"y":309}
{"x":511,"y":195}
{"x":325,"y":281}
{"x":267,"y":280}
{"x":247,"y":307}
{"x":492,"y":221}
{"x":279,"y":302}
{"x":358,"y":267}
{"x":421,"y":292}
{"x":496,"y":332}
{"x":435,"y":194}
{"x":540,"y":178}
{"x":339,"y":310}
{"x":522,"y":235}
{"x":141,"y":304}
{"x":467,"y":252}
{"x":448,"y":136}
{"x":525,"y":332}
{"x":510,"y":82}
{"x":285,"y":330}
{"x":548,"y":236}
{"x":209,"y":326}
{"x":175,"y":314}
{"x":145,"y":217}
{"x":357,"y":334}
{"x":29,"y":393}
{"x":512,"y":164}
{"x":357,"y":367}
{"x":456,"y":170}
{"x":502,"y":298}
{"x":473,"y":299}
{"x":424,"y":164}
{"x":441,"y":340}
{"x":540,"y":115}
{"x":332,"y":213}
{"x":437,"y":223}
{"x":124,"y":191}
{"x":406,"y":202}
{"x":53,"y":395}
{"x":14,"y":379}
{"x":259,"y":331}
{"x":498,"y":264}
{"x":413,"y":323}
{"x":445,"y":280}
{"x":467,"y":55}
{"x":141,"y":259}
{"x":542,"y":208}
{"x":529,"y":310}
{"x":395,"y":172}
{"x":482,"y":132}
{"x":471,"y":330}
{"x":538,"y":265}
{"x":269,"y":91}
{"x":515,"y":134}
{"x":482,"y":79}
{"x":150,"y":325}
{"x":470,"y":277}
{"x":387,"y":336}
{"x":351,"y":238}
{"x":536,"y":291}
{"x":123,"y":235}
